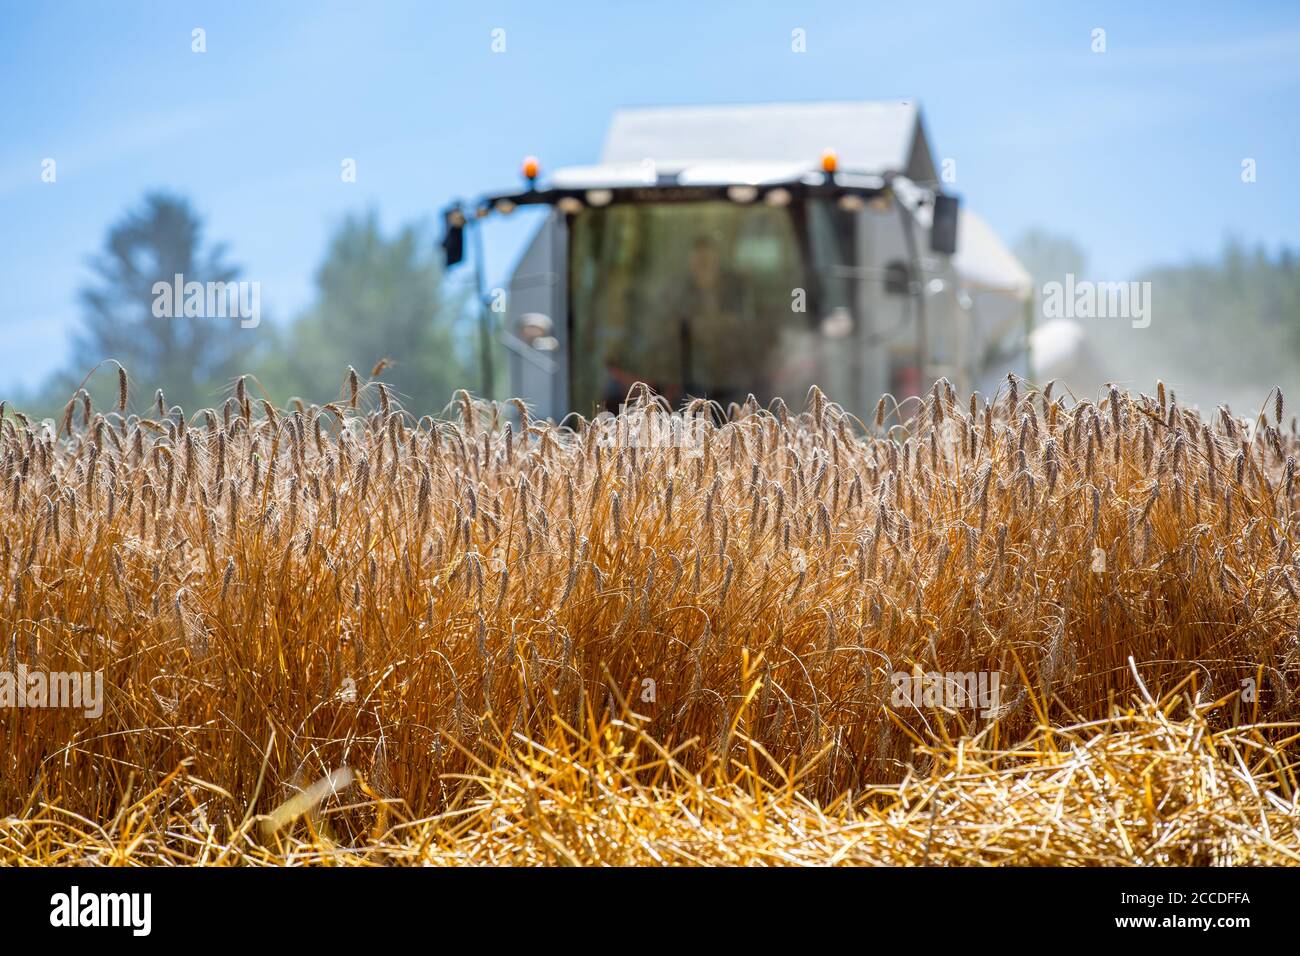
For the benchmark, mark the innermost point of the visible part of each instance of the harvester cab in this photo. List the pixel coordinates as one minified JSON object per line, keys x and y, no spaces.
{"x":720,"y":252}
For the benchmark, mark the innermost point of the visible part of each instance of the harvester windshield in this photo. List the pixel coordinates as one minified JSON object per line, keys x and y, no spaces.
{"x":712,"y":299}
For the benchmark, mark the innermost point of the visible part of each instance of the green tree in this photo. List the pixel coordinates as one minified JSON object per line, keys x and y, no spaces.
{"x":377,"y":297}
{"x":1226,"y":330}
{"x":190,"y":358}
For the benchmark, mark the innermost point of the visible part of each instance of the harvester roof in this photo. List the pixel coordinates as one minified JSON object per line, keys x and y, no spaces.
{"x":873,"y":137}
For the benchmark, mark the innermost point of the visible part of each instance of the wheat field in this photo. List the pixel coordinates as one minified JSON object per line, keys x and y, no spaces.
{"x":347,"y":635}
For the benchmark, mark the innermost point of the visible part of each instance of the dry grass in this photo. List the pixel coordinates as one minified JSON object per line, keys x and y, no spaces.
{"x":1137,"y":790}
{"x":541,"y":644}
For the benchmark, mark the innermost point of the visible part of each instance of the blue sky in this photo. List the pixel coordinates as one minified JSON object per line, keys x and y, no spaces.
{"x":1136,"y":152}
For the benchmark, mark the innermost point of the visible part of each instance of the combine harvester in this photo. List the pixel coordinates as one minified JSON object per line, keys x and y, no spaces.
{"x":724,"y":251}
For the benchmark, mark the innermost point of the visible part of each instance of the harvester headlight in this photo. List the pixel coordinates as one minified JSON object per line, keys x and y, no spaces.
{"x":778,"y":197}
{"x":570,"y":205}
{"x":852,"y":203}
{"x":505,"y":206}
{"x":533,"y":326}
{"x":599,"y":197}
{"x":742,"y":194}
{"x":838,"y":324}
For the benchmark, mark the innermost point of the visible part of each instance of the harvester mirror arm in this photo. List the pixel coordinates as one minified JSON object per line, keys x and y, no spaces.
{"x":458,"y":216}
{"x":916,"y":286}
{"x":526,"y":352}
{"x":487,"y":378}
{"x":945,"y":213}
{"x":455,"y":223}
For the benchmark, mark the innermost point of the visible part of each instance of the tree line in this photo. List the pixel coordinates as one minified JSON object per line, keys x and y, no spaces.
{"x":379,"y":299}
